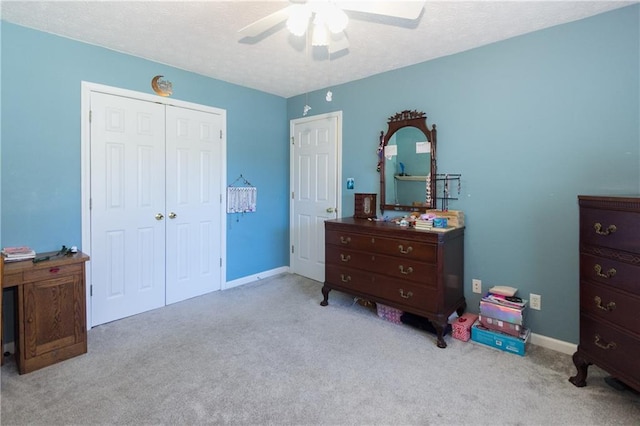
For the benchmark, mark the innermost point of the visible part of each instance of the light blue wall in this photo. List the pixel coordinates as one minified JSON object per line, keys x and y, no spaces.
{"x":530,"y":122}
{"x":41,"y":79}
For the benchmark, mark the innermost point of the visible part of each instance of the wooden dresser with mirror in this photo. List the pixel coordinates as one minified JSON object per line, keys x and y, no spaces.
{"x":415,"y":271}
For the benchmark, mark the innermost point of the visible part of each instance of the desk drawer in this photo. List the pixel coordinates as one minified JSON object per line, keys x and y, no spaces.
{"x":52,"y":272}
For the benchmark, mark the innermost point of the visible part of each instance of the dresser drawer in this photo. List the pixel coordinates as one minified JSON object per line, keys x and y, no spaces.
{"x":408,"y":249}
{"x":52,"y":272}
{"x":349,"y":278}
{"x":610,"y":305}
{"x":402,"y":293}
{"x":608,"y":228}
{"x":408,"y":269}
{"x":609,"y":347}
{"x":610,"y":272}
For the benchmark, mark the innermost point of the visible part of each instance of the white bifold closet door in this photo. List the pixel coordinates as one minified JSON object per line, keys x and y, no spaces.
{"x":155,"y":197}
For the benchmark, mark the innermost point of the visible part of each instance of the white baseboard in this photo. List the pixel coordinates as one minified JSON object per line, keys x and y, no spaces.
{"x":9,"y":347}
{"x":256,"y":277}
{"x":554,"y":344}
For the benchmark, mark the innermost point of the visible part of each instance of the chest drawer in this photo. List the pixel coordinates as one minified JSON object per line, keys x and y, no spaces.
{"x":610,"y":272}
{"x":610,"y":305}
{"x":615,"y":350}
{"x":408,"y":249}
{"x":608,"y":228}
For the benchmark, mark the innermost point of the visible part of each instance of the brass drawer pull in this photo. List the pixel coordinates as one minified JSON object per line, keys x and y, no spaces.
{"x":405,"y":296}
{"x":344,"y":240}
{"x":405,"y":271}
{"x":598,"y":227}
{"x":610,"y":345}
{"x":610,"y":273}
{"x":610,"y":306}
{"x":403,"y":251}
{"x":345,"y":258}
{"x":345,"y":279}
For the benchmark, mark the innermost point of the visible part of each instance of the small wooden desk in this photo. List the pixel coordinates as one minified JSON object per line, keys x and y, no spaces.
{"x":50,"y":309}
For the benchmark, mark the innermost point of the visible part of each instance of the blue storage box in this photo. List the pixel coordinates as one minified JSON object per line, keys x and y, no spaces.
{"x":504,"y":342}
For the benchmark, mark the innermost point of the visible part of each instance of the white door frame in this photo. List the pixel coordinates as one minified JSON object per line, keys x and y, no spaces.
{"x":85,"y":162}
{"x":338,"y":116}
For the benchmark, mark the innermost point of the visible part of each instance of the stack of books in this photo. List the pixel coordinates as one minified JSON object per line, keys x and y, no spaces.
{"x":501,"y":322}
{"x":423,"y":224}
{"x":13,"y":254}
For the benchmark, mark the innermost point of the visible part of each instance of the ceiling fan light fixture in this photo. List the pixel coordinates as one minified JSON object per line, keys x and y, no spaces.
{"x":298,"y":20}
{"x":336,"y":19}
{"x":320,"y":36}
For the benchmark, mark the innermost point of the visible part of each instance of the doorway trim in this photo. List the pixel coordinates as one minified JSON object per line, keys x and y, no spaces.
{"x":85,"y":169}
{"x":292,"y":123}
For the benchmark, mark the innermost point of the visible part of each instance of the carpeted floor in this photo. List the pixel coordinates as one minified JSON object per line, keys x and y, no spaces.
{"x":268,"y":354}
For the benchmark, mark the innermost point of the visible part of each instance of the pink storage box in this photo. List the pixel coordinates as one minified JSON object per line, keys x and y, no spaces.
{"x":502,"y":326}
{"x":389,"y":313}
{"x":461,"y":327}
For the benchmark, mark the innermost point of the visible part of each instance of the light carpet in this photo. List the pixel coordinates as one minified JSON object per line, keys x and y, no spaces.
{"x":267,"y":353}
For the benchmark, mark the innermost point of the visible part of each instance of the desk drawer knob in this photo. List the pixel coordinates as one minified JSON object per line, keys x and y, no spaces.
{"x":405,"y":295}
{"x":609,"y":307}
{"x":610,"y":229}
{"x":403,"y":250}
{"x":610,"y":273}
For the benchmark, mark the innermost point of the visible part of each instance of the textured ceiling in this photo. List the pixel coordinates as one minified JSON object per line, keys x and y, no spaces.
{"x":202,"y":36}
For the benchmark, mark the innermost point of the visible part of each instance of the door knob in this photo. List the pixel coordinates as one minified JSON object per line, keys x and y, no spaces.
{"x":159,"y":216}
{"x":330,"y":210}
{"x":172,"y":215}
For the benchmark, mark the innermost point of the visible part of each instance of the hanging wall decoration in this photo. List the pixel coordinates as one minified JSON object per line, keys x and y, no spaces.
{"x":241,"y":199}
{"x":161,"y":87}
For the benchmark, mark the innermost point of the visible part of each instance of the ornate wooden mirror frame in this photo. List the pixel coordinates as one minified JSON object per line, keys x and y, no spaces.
{"x":396,"y":122}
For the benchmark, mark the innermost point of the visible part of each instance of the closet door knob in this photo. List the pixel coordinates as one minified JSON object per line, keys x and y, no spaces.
{"x":159,"y":216}
{"x":172,"y":215}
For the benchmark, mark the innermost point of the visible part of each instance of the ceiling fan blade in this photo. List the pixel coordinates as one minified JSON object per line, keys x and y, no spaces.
{"x":263,"y":24}
{"x":338,"y":42}
{"x":397,"y":9}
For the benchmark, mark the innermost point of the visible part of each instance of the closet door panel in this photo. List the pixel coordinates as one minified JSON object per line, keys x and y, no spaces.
{"x":194,"y":147}
{"x":127,"y":192}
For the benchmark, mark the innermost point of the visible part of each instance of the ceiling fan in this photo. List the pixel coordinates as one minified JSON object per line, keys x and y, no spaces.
{"x":325,"y":21}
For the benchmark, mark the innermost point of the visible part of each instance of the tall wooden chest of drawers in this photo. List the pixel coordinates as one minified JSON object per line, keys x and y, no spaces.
{"x":609,"y":288}
{"x":415,"y":271}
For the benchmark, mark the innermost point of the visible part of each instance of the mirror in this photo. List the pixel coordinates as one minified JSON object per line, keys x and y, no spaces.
{"x":408,"y":163}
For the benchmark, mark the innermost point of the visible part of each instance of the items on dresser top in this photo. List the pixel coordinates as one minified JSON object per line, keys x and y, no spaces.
{"x":420,"y":272}
{"x":609,"y":288}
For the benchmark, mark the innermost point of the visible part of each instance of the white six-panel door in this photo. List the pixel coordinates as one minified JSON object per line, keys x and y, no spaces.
{"x":156,"y":225}
{"x":127,"y":194}
{"x":315,"y":175}
{"x":193,"y":200}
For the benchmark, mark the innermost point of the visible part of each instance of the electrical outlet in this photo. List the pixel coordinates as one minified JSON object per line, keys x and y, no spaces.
{"x":476,"y":285}
{"x":535,"y":301}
